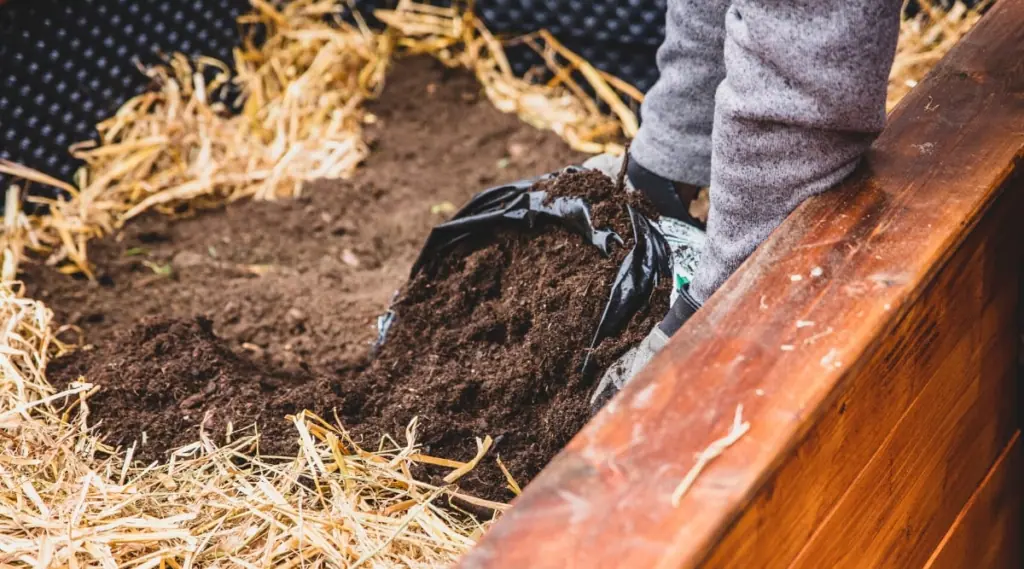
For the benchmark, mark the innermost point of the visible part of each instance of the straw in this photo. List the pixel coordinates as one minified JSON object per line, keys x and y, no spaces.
{"x":65,"y":500}
{"x":924,"y":40}
{"x":714,"y":450}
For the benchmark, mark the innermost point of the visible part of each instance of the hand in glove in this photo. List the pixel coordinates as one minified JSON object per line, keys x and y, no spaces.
{"x":632,"y":362}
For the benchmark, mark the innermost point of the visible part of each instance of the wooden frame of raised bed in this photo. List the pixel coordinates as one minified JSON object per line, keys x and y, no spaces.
{"x":873,"y":345}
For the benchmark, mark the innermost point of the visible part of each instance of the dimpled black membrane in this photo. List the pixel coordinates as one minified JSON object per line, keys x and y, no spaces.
{"x":65,"y":65}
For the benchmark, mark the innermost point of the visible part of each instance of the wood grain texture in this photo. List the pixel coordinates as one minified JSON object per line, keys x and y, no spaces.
{"x":899,"y":506}
{"x":987,"y":532}
{"x":939,"y":384}
{"x":790,"y":350}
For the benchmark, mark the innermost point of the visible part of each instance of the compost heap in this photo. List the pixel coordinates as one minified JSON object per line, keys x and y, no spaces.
{"x":490,"y":340}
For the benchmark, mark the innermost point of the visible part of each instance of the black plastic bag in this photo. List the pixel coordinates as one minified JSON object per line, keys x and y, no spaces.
{"x":515,"y":205}
{"x":649,"y":261}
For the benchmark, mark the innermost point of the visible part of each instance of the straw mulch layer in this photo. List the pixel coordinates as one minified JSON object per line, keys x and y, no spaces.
{"x":69,"y":500}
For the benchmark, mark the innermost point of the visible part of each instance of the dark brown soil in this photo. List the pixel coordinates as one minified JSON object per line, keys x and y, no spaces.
{"x":492,"y":340}
{"x":167,"y":376}
{"x":271,"y":308}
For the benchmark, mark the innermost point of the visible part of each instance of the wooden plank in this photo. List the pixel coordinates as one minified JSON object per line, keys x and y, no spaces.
{"x":786,"y":350}
{"x":965,"y":319}
{"x":898,"y":508}
{"x":987,"y":533}
{"x":958,"y":334}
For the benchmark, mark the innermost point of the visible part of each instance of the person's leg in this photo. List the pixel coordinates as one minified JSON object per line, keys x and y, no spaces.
{"x":802,"y":100}
{"x":674,"y":140}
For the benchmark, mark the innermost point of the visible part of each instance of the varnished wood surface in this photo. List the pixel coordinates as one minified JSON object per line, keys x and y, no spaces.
{"x":885,"y":470}
{"x":987,"y":533}
{"x":840,"y":295}
{"x":898,"y":507}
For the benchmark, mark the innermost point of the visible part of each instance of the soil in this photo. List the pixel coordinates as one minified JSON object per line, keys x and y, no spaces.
{"x":255,"y":311}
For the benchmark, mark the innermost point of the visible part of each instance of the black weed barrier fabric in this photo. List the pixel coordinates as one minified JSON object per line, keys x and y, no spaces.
{"x":66,"y":65}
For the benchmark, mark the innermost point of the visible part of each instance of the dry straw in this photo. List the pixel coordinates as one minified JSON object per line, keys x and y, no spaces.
{"x":66,"y":500}
{"x":924,"y":40}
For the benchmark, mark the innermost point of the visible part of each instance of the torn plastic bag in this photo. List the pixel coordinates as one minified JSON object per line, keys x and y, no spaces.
{"x":685,"y":241}
{"x":516,"y":205}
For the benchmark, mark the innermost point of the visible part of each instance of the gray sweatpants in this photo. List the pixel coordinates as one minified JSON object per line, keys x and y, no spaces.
{"x":768,"y":101}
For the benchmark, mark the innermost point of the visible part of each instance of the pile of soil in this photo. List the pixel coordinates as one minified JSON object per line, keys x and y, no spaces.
{"x":271,"y":308}
{"x":492,"y":338}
